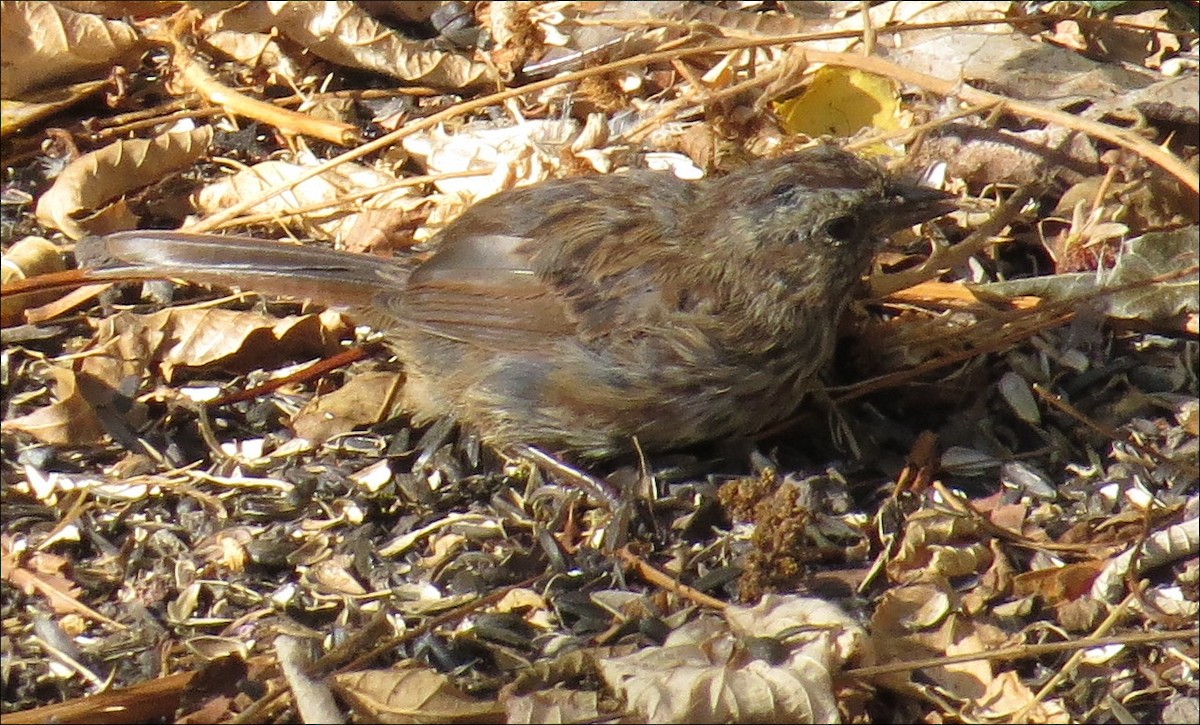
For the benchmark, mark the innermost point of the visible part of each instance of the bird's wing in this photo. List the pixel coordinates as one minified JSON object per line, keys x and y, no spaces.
{"x":575,"y":258}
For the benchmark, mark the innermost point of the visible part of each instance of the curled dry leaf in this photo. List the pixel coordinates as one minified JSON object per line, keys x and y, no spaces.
{"x":411,"y":696}
{"x":98,"y":177}
{"x":1126,"y":41}
{"x":925,"y":621}
{"x":1008,"y":699}
{"x":1058,"y":584}
{"x":30,"y":257}
{"x":363,"y":400}
{"x":343,"y":33}
{"x":39,"y":105}
{"x":182,"y":337}
{"x":330,"y":221}
{"x":585,"y":32}
{"x":42,"y":43}
{"x":555,"y":705}
{"x":69,"y":421}
{"x":261,"y":50}
{"x":782,"y":615}
{"x":939,"y":545}
{"x":970,"y":680}
{"x":27,"y":258}
{"x":908,"y":609}
{"x":912,"y":12}
{"x":517,"y":155}
{"x":1155,"y":278}
{"x":193,"y":337}
{"x":709,"y":671}
{"x":1017,"y":66}
{"x":1173,"y":543}
{"x":129,"y":343}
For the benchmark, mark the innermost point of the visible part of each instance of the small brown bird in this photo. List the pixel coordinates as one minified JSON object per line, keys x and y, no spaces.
{"x":580,"y":314}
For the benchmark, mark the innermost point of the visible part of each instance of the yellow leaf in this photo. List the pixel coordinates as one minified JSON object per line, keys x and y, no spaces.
{"x":839,"y":102}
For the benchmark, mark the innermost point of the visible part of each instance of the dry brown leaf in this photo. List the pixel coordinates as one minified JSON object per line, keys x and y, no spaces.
{"x":1173,"y":543}
{"x":37,"y":105}
{"x":363,"y":400}
{"x":700,"y":675}
{"x":913,"y":607}
{"x":905,"y":627}
{"x":993,"y":583}
{"x":965,"y":680}
{"x":127,"y":345}
{"x":780,"y":615}
{"x":193,"y":337}
{"x":1015,"y":65}
{"x":261,"y":51}
{"x":121,"y":8}
{"x":555,"y":705}
{"x":938,"y":545}
{"x":1007,"y":696}
{"x":1060,"y":584}
{"x":517,"y":155}
{"x":1011,"y":516}
{"x":49,"y":570}
{"x":199,"y":337}
{"x":412,"y":696}
{"x":902,"y":621}
{"x":69,"y":421}
{"x":709,"y":671}
{"x":41,"y":574}
{"x":105,"y":174}
{"x":1154,"y":278}
{"x":42,"y":43}
{"x":1121,"y":43}
{"x":332,"y":576}
{"x":27,"y":258}
{"x":332,"y":222}
{"x":343,"y":33}
{"x":1096,"y":232}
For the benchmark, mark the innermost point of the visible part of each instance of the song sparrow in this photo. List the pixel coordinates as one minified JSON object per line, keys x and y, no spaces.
{"x":582,"y":313}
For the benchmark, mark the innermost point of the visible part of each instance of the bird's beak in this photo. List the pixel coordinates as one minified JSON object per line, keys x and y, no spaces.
{"x":907,"y":204}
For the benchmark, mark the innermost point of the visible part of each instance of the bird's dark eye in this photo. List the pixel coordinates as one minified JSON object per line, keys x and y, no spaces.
{"x":782,"y":189}
{"x":842,"y":228}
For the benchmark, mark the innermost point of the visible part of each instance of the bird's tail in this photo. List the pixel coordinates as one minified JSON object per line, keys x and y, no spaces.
{"x":325,"y":276}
